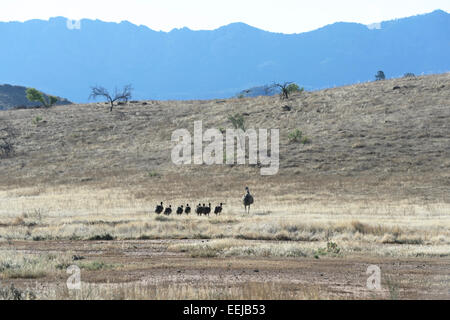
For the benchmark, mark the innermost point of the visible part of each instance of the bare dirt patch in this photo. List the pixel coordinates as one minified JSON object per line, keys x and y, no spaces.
{"x":149,"y":264}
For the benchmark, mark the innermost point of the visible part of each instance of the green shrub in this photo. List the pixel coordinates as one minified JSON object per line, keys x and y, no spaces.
{"x":105,"y":236}
{"x":295,"y":135}
{"x":293,"y":88}
{"x":153,"y":174}
{"x":36,"y":120}
{"x":380,"y":76}
{"x":237,"y":121}
{"x":34,"y":95}
{"x":332,"y":248}
{"x":95,"y":265}
{"x":305,"y":140}
{"x":286,"y":89}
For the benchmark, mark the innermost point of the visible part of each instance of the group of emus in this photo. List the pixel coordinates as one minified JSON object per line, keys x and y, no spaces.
{"x":203,"y":209}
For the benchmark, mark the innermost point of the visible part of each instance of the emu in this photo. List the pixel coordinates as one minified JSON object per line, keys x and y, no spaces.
{"x":203,"y":210}
{"x":159,"y":208}
{"x":199,"y":210}
{"x":187,"y":210}
{"x":180,"y":210}
{"x":207,"y":210}
{"x":247,"y":199}
{"x":168,"y":210}
{"x":218,"y":209}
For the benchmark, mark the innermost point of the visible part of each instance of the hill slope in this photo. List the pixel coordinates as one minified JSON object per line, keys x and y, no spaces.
{"x":372,"y":187}
{"x":367,"y":139}
{"x":180,"y":64}
{"x":15,"y":96}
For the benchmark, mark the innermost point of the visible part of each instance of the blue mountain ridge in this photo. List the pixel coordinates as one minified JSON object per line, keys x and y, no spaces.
{"x":187,"y":64}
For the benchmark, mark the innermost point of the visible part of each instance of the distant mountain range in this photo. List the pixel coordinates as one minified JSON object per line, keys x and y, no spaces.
{"x":186,"y":64}
{"x":15,"y":97}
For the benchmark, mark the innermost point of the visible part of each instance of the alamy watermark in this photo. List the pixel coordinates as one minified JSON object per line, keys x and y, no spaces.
{"x":235,"y":147}
{"x":374,"y":280}
{"x":74,"y":281}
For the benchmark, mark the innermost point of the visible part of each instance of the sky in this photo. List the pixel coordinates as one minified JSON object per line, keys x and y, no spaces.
{"x":285,"y":16}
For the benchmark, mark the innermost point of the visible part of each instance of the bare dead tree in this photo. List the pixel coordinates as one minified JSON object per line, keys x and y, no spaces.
{"x":7,"y":140}
{"x":123,"y":95}
{"x":284,"y":87}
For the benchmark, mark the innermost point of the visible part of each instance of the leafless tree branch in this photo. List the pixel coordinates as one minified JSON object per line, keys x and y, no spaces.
{"x":284,"y":89}
{"x":123,"y":95}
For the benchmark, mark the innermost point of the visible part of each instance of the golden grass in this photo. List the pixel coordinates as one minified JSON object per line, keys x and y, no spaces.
{"x":16,"y":264}
{"x":142,"y":291}
{"x":88,"y":214}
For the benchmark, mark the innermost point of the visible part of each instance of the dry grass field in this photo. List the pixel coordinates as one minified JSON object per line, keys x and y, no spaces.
{"x":371,"y":187}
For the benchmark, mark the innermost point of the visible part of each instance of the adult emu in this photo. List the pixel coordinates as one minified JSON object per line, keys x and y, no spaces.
{"x":247,"y":200}
{"x":199,"y":210}
{"x":207,"y":210}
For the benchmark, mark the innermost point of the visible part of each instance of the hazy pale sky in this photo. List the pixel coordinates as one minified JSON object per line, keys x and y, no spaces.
{"x":287,"y":16}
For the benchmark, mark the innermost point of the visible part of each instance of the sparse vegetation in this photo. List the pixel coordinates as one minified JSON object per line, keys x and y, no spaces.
{"x":179,"y":291}
{"x":124,"y":95}
{"x":153,"y":174}
{"x":305,"y":140}
{"x":237,"y":121}
{"x":286,"y":89}
{"x":331,"y":249}
{"x":294,"y":88}
{"x":95,"y":265}
{"x":34,"y":95}
{"x":380,"y":76}
{"x":17,"y":265}
{"x":105,"y":236}
{"x":297,"y":136}
{"x":7,"y":140}
{"x":392,"y":286}
{"x":162,"y":218}
{"x":36,"y":120}
{"x":12,"y":293}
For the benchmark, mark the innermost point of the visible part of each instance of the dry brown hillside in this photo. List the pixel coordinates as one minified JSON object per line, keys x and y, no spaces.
{"x":372,"y":187}
{"x":366,"y":139}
